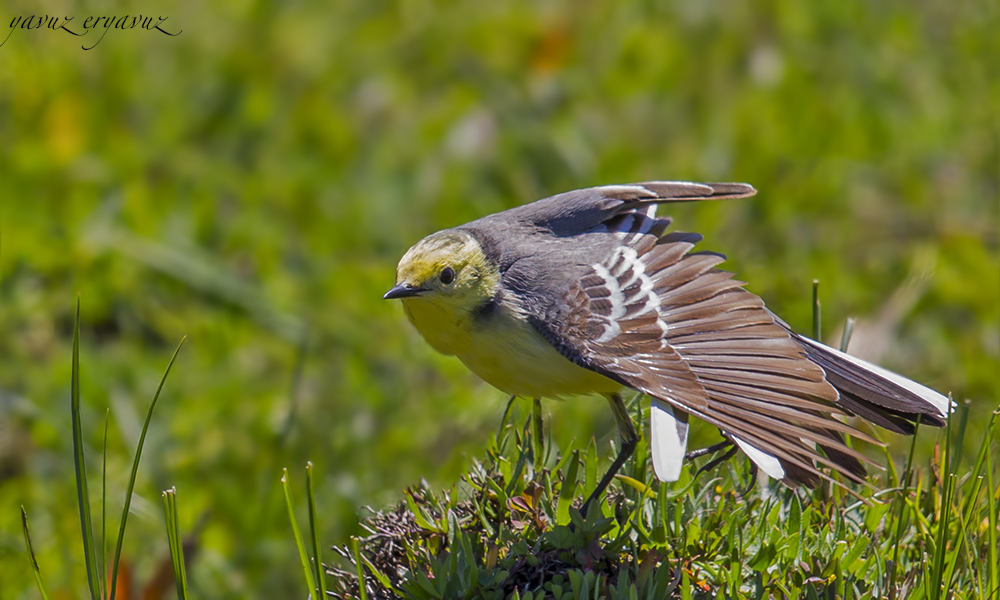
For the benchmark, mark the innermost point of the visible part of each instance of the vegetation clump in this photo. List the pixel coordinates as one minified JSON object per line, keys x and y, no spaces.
{"x":513,"y":530}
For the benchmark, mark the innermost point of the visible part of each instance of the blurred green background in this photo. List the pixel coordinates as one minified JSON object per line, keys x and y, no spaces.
{"x":251,"y":183}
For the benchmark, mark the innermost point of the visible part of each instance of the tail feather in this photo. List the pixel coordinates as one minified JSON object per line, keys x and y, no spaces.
{"x":876,"y":394}
{"x":668,"y":431}
{"x":895,"y":422}
{"x":845,"y":461}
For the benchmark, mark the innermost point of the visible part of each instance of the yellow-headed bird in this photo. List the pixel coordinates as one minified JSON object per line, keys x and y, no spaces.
{"x":586,"y":292}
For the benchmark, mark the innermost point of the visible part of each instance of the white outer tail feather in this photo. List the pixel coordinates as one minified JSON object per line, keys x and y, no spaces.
{"x":938,"y":401}
{"x":668,"y":440}
{"x":767,"y":463}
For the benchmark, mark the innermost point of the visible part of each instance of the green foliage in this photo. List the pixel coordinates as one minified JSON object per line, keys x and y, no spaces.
{"x":503,"y":535}
{"x":175,"y":542}
{"x":252,"y":182}
{"x":94,"y":569}
{"x":307,"y":569}
{"x":31,"y":556}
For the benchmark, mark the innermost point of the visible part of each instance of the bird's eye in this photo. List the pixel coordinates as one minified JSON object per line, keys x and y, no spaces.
{"x":447,"y":275}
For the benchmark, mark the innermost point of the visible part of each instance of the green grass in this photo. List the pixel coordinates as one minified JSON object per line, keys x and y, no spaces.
{"x":97,"y":575}
{"x":176,"y":543}
{"x":31,"y":556}
{"x":508,"y":531}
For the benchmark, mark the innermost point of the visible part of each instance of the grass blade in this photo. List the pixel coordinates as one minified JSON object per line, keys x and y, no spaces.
{"x":362,"y":590}
{"x":306,"y":569}
{"x":993,"y":518}
{"x":944,"y":519}
{"x":538,"y":440}
{"x":568,"y":490}
{"x":899,"y":514}
{"x":174,"y":540}
{"x":135,"y":470}
{"x":317,"y":558}
{"x":590,"y":468}
{"x":958,"y":445}
{"x":103,"y":565}
{"x":845,"y":337}
{"x":82,"y":494}
{"x":817,"y":329}
{"x":941,"y":548}
{"x":502,"y":428}
{"x":31,"y":555}
{"x":968,"y":513}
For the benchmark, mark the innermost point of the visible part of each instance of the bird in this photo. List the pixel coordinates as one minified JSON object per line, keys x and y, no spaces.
{"x":587,"y":292}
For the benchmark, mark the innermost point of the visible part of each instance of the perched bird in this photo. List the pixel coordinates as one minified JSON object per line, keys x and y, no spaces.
{"x":586,"y":292}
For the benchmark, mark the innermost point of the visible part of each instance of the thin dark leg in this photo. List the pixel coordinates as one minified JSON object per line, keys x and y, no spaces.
{"x":717,"y":461}
{"x":710,"y":450}
{"x":629,"y":438}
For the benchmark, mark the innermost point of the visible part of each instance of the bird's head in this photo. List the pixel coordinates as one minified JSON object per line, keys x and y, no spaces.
{"x":447,"y":268}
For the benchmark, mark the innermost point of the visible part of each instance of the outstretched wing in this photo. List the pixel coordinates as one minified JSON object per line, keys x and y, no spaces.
{"x":578,"y":211}
{"x":663,"y":320}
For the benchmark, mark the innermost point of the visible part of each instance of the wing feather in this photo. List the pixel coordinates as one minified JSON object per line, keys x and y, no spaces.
{"x":650,"y":316}
{"x":579,"y":211}
{"x":657,"y":317}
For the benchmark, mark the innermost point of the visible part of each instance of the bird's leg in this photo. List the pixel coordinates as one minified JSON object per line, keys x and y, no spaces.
{"x":629,"y":438}
{"x":710,"y":450}
{"x":718,"y":460}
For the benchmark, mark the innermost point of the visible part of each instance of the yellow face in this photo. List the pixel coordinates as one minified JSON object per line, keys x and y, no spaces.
{"x":441,"y":281}
{"x":447,"y":268}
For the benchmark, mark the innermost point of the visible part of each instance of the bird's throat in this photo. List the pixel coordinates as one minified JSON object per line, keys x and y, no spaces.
{"x":445,"y":328}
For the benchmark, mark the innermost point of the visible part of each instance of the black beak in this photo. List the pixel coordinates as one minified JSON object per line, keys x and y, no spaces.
{"x":403,"y":290}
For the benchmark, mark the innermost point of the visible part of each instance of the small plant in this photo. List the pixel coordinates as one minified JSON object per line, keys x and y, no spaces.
{"x":96,"y":561}
{"x":512,"y":530}
{"x":312,"y":567}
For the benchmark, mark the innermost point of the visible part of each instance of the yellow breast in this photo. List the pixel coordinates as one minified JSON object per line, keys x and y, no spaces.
{"x":505,"y":351}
